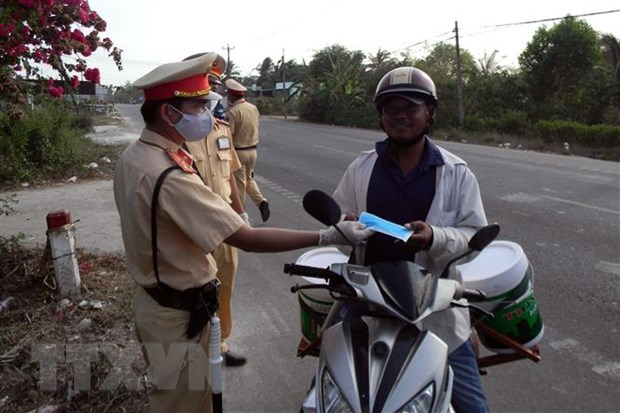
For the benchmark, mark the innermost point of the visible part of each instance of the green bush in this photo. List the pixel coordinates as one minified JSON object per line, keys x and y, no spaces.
{"x":475,"y":123}
{"x":47,"y":139}
{"x":512,"y":122}
{"x":590,"y":136}
{"x":274,"y":106}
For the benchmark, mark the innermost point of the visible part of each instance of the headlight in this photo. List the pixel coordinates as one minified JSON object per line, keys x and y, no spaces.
{"x":421,"y":403}
{"x":333,"y":401}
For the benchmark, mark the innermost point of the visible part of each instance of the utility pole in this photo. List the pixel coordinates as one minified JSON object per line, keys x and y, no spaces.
{"x":459,"y":79}
{"x":228,"y":49}
{"x":284,"y":89}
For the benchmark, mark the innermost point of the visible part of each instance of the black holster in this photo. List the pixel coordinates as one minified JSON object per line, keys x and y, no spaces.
{"x":200,"y":302}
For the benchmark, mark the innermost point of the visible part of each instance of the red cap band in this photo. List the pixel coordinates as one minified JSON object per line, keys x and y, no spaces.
{"x":189,"y":87}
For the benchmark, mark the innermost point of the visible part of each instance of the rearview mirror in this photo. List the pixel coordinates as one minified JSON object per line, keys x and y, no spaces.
{"x":322,"y":207}
{"x":483,"y":237}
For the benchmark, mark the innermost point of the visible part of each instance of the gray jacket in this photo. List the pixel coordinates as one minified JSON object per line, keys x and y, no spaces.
{"x":455,"y":214}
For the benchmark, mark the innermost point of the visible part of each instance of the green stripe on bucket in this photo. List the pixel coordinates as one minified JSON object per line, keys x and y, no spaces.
{"x":310,"y":319}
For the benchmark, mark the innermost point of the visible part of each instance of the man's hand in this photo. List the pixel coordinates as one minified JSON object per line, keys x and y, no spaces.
{"x":354,"y":231}
{"x":422,"y":237}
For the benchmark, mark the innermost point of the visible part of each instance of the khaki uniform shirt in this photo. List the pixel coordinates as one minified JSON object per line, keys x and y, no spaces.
{"x":243,"y":117}
{"x":191,"y":219}
{"x":216,"y":159}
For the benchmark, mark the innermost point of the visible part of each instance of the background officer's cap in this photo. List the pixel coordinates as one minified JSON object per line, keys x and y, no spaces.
{"x":217,"y":68}
{"x":186,"y":79}
{"x":234,"y":87}
{"x":214,"y":96}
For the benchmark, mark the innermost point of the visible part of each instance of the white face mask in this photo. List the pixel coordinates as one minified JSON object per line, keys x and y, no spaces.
{"x":194,"y":127}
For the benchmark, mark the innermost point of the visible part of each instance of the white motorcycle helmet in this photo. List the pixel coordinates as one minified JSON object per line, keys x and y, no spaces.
{"x":410,"y":83}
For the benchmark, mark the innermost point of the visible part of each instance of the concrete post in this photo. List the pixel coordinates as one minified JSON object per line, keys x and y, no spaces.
{"x":61,"y":238}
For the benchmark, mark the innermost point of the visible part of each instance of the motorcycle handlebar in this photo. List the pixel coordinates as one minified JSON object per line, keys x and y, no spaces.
{"x":474,"y":295}
{"x":304,"y":270}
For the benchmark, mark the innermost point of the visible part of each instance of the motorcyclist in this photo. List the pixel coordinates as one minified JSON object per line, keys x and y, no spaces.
{"x":408,"y":179}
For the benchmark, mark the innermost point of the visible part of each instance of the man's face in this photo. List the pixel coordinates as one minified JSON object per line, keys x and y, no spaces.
{"x":173,"y":115}
{"x":404,"y":121}
{"x":195,"y":106}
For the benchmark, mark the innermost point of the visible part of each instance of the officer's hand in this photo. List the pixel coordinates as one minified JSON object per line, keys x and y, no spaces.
{"x":354,"y":231}
{"x":422,"y":237}
{"x":245,"y":217}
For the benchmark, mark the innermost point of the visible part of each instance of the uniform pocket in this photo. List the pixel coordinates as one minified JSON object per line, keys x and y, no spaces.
{"x":225,"y":158}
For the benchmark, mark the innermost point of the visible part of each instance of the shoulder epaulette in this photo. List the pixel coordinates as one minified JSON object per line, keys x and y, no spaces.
{"x":221,"y":121}
{"x":183,"y":159}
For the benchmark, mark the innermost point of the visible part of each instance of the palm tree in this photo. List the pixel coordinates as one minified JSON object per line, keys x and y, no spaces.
{"x":382,"y":60}
{"x":489,"y":64}
{"x":611,"y":53}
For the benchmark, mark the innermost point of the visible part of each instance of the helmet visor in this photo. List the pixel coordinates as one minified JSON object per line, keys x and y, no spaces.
{"x":416,"y":100}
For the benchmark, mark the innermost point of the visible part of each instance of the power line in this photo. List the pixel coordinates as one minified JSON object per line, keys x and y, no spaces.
{"x":552,"y":19}
{"x":490,"y":28}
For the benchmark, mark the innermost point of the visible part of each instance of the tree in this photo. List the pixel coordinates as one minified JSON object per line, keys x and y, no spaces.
{"x":489,"y":64}
{"x":43,"y":32}
{"x":611,"y":53}
{"x":381,"y":61}
{"x":440,"y":64}
{"x":265,"y":73}
{"x":333,"y":90}
{"x":232,"y":70}
{"x":561,"y":69}
{"x":126,"y":93}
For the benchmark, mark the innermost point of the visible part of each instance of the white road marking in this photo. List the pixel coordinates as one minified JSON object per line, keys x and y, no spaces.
{"x":581,"y":204}
{"x":597,"y":362}
{"x":530,"y":199}
{"x":294,"y":197}
{"x":336,"y":150}
{"x":608,"y":267}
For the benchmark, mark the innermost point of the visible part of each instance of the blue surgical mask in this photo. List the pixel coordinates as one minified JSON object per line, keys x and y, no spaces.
{"x":386,"y":227}
{"x":194,"y":127}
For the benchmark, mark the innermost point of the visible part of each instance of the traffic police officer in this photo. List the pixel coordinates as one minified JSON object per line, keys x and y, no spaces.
{"x":243,"y":117}
{"x":216,"y":161}
{"x":171,"y":222}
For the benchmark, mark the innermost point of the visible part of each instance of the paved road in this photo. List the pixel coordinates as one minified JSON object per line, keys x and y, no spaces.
{"x":563,"y":211}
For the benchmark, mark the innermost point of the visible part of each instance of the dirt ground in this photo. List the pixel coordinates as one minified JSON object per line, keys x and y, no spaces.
{"x":36,"y":318}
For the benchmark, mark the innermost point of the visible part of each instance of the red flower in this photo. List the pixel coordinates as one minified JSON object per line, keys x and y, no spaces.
{"x":56,"y":92}
{"x":75,"y":83}
{"x":78,"y":36}
{"x":26,"y":3}
{"x":84,"y":17}
{"x":93,"y":75}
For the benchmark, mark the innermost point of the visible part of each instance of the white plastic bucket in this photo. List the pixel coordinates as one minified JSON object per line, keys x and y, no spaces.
{"x":314,"y":304}
{"x":503,"y":272}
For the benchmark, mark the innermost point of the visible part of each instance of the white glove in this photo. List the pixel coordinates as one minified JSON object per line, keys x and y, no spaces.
{"x":353,"y":230}
{"x":245,"y":217}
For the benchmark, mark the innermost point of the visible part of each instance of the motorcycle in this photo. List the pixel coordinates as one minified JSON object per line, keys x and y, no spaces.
{"x":374,"y":354}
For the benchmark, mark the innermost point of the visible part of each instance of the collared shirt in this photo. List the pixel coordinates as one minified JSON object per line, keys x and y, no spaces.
{"x":399,"y":198}
{"x":455,"y":215}
{"x":243,"y":118}
{"x":192,"y":220}
{"x":215,"y":159}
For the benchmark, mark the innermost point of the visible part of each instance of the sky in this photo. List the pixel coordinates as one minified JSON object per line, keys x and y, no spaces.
{"x":154,"y":32}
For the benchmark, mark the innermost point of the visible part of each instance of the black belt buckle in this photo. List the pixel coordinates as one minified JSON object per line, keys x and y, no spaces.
{"x":214,"y":284}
